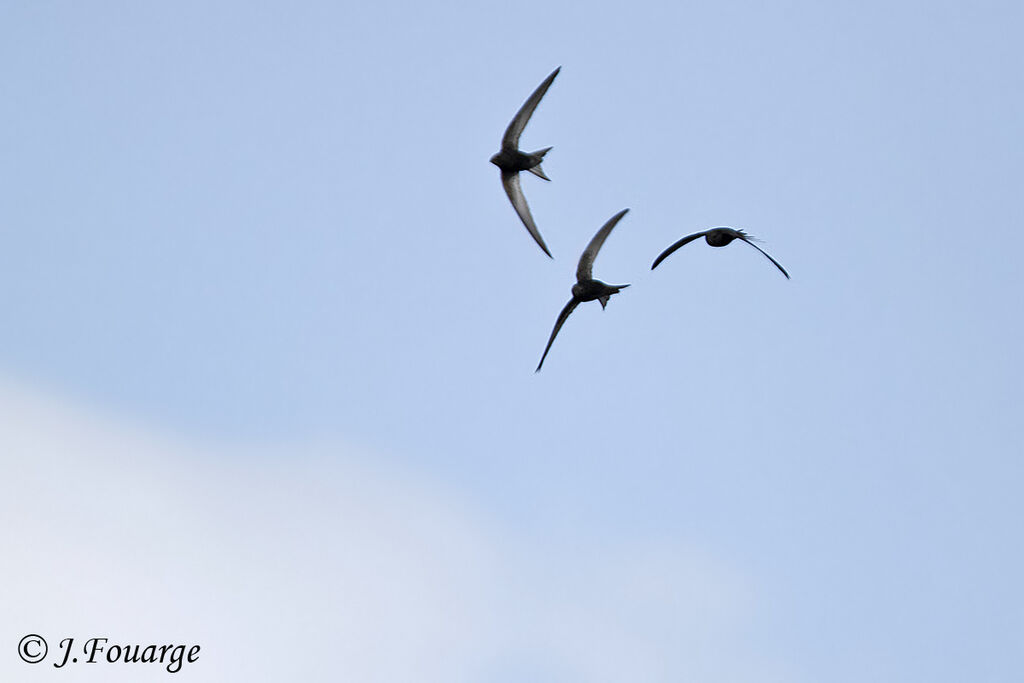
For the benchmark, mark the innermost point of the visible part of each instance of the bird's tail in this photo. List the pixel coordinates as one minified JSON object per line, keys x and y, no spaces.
{"x":537,"y":170}
{"x":616,"y":290}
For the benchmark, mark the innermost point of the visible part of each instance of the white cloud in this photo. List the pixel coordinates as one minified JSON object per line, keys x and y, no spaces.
{"x":315,"y":563}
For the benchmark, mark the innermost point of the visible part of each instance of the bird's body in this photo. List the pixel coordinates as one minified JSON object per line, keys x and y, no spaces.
{"x":586,"y":287}
{"x":717,"y":237}
{"x":514,"y":161}
{"x":511,"y":160}
{"x":720,"y":237}
{"x":591,"y":290}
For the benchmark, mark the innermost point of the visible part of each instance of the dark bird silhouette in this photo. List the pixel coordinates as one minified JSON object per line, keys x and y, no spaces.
{"x":586,"y":287}
{"x":511,"y":161}
{"x":718,"y":237}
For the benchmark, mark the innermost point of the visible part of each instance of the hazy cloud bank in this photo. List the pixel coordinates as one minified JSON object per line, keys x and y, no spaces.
{"x":315,"y":563}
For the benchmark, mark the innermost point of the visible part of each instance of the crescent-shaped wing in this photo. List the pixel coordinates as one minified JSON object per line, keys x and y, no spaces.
{"x":668,"y":252}
{"x":510,"y":181}
{"x":746,"y":239}
{"x":562,"y":317}
{"x":585,"y":268}
{"x":515,"y":129}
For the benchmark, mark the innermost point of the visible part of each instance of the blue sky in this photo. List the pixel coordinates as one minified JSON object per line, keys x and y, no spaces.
{"x":269,"y":235}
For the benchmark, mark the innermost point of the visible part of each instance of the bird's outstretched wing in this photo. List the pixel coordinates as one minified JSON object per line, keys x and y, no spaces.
{"x":749,"y":240}
{"x":668,"y":252}
{"x":510,"y":181}
{"x":585,"y":269}
{"x":515,"y":129}
{"x":562,"y":317}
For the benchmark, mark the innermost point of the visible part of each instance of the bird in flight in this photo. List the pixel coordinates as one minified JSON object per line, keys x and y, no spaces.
{"x":511,"y":161}
{"x":717,"y":237}
{"x":586,"y":287}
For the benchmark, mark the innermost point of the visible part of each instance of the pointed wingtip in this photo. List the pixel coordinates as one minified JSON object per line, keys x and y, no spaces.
{"x":540,"y":241}
{"x":658,"y":260}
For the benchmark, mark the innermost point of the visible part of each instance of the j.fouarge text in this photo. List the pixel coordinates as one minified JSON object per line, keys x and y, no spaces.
{"x":96,"y":650}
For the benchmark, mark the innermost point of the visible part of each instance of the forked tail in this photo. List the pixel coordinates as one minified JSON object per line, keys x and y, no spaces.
{"x":615,"y":290}
{"x":537,"y":170}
